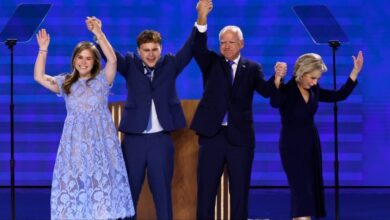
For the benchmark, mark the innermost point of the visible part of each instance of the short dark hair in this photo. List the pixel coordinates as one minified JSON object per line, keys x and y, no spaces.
{"x":148,"y":36}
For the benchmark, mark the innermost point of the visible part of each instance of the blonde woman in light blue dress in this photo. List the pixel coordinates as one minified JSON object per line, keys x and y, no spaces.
{"x":89,"y":179}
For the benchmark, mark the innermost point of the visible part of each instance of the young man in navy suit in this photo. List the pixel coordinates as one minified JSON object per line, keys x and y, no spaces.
{"x":223,"y":119}
{"x":152,"y":110}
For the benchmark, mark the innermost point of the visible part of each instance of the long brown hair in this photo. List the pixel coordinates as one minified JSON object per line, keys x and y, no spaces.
{"x":75,"y":75}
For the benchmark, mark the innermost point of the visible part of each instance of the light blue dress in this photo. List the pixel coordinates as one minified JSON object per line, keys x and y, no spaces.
{"x":89,"y":179}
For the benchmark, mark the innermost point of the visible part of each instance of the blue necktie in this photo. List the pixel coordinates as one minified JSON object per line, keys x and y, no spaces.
{"x":225,"y":118}
{"x":149,"y":74}
{"x":231,"y":70}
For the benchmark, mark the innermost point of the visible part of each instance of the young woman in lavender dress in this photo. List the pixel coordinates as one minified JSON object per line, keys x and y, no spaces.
{"x":90,"y":179}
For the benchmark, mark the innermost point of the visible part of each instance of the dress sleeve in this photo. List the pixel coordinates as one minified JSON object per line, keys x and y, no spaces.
{"x":327,"y":95}
{"x":101,"y":77}
{"x":278,"y":98}
{"x":60,"y":80}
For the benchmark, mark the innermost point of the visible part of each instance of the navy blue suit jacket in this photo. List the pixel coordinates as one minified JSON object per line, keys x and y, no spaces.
{"x":220,"y":96}
{"x":140,"y":91}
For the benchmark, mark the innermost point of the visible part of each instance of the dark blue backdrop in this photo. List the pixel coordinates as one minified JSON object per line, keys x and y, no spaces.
{"x":272,"y":33}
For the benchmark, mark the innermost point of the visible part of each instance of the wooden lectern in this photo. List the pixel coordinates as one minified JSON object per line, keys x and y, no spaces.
{"x":184,"y":183}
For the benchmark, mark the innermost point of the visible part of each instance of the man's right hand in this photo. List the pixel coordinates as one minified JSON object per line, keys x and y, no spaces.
{"x":203,"y":7}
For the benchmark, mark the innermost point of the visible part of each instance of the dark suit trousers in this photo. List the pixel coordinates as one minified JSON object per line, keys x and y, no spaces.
{"x":214,"y":153}
{"x":154,"y":153}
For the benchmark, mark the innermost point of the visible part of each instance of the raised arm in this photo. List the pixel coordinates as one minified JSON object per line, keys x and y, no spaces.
{"x":357,"y":66}
{"x":341,"y":94}
{"x":185,"y":54}
{"x":278,"y":98}
{"x":95,"y":26}
{"x":203,"y":8}
{"x":202,"y":54}
{"x":269,"y":87}
{"x":43,"y":39}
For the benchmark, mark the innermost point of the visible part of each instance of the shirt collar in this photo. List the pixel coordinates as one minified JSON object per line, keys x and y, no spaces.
{"x":235,"y":60}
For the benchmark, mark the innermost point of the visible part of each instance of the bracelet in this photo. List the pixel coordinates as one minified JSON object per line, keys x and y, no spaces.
{"x":45,"y":51}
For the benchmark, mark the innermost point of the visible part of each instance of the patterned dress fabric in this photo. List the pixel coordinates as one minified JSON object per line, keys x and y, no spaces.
{"x":90,"y":179}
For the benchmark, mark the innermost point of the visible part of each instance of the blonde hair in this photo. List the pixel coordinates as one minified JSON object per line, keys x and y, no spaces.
{"x":307,"y":63}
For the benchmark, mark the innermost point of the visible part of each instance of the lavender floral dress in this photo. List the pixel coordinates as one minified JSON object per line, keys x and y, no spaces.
{"x":90,"y":179}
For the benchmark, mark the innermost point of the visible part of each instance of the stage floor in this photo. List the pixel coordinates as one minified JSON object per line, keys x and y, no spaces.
{"x":273,"y":204}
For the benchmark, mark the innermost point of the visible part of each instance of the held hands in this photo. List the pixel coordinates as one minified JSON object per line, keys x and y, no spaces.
{"x":94,"y":25}
{"x":204,"y":7}
{"x":357,"y":65}
{"x":280,"y":72}
{"x":280,"y":69}
{"x":43,"y":40}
